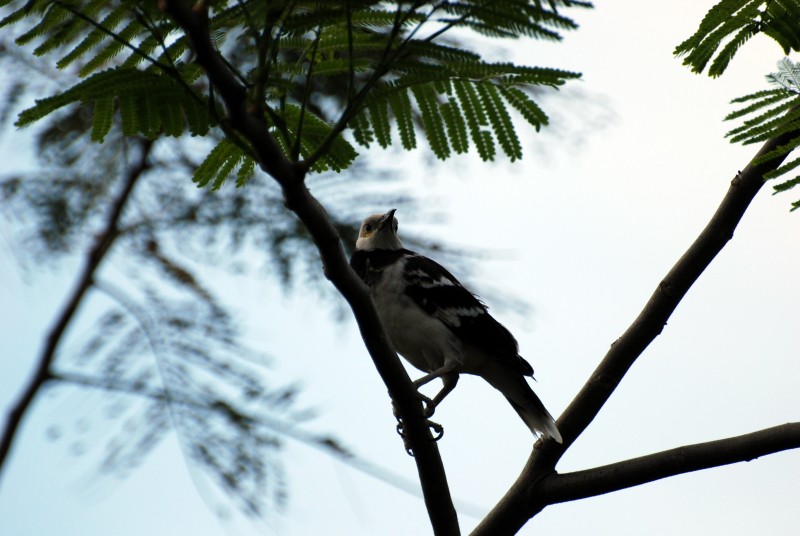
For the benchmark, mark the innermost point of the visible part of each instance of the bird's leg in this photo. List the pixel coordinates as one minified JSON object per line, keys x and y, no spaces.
{"x":419,"y":382}
{"x":449,"y":381}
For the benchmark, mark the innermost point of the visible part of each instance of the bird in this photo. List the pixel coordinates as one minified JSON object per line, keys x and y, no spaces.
{"x":439,"y":326}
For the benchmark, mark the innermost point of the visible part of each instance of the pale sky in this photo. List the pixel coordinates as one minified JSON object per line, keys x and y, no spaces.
{"x":587,"y":223}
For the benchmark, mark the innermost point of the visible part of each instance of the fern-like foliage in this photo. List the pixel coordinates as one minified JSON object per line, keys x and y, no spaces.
{"x":149,"y":104}
{"x":731,"y":23}
{"x":771,"y":113}
{"x":382,"y":71}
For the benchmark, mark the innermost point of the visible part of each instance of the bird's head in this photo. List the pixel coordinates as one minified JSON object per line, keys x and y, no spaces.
{"x":379,"y":231}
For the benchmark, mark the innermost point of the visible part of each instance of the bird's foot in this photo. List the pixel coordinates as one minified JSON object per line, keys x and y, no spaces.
{"x":427,"y":407}
{"x":436,"y":428}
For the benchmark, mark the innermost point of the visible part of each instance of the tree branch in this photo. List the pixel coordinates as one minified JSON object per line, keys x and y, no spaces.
{"x":92,"y":262}
{"x":248,"y":119}
{"x":637,"y":471}
{"x":525,"y":499}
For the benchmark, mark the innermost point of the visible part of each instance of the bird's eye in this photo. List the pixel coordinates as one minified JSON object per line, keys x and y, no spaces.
{"x":368,"y":228}
{"x":396,"y":226}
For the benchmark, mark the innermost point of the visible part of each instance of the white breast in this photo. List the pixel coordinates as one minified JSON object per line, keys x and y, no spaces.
{"x":422,"y":339}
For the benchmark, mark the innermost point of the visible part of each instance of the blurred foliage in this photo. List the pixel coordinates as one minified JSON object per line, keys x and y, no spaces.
{"x":328,"y":77}
{"x":165,"y":336}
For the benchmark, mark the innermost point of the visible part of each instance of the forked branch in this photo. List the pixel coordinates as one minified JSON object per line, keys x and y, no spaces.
{"x":637,"y":471}
{"x":527,"y":496}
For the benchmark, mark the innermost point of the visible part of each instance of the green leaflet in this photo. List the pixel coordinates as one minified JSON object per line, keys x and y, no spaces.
{"x":500,"y":121}
{"x":379,"y":117}
{"x":432,"y":122}
{"x":788,"y":185}
{"x":731,"y":23}
{"x":220,"y":164}
{"x":149,"y":104}
{"x":456,"y":127}
{"x":96,"y":36}
{"x":726,"y":54}
{"x":780,"y":151}
{"x":525,"y":106}
{"x":783,"y":169}
{"x":476,"y":118}
{"x":767,"y":98}
{"x":753,"y":130}
{"x":314,"y":132}
{"x":776,"y":112}
{"x":362,"y":132}
{"x":401,"y":108}
{"x":102,"y":116}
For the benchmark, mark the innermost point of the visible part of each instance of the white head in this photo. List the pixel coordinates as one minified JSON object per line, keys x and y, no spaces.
{"x":379,"y":231}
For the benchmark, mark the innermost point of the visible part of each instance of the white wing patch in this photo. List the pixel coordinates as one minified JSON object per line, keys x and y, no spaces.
{"x":453,"y":315}
{"x":426,"y":280}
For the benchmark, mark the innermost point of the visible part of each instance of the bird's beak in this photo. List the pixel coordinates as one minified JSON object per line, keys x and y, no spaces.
{"x":388,"y":217}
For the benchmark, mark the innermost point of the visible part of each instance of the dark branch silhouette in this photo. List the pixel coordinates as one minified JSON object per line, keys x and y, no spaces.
{"x":290,"y":176}
{"x":637,"y":471}
{"x":527,"y":496}
{"x":92,"y":262}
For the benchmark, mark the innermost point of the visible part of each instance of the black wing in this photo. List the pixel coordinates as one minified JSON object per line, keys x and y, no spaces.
{"x":440,"y":294}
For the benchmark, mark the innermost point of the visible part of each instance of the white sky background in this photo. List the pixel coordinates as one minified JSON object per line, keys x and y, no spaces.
{"x":588,"y":224}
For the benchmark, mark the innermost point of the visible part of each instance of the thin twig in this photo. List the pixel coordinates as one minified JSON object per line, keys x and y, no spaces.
{"x":112,"y":35}
{"x":298,"y":141}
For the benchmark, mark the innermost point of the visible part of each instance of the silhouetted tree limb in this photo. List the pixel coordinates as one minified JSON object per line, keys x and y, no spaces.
{"x":248,"y":120}
{"x":526,"y":497}
{"x":637,"y":471}
{"x":92,"y":261}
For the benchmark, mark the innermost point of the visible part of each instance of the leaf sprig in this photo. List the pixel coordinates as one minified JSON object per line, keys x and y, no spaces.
{"x":731,"y":23}
{"x":770,"y":113}
{"x":315,"y":70}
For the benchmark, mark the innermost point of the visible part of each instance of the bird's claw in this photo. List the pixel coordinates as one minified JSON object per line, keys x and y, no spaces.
{"x":428,"y":407}
{"x":436,"y":428}
{"x":401,"y":431}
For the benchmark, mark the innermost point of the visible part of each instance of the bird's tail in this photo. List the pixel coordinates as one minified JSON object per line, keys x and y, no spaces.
{"x":523,"y":400}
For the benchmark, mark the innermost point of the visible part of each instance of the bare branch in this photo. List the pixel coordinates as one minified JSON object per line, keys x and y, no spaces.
{"x":669,"y":293}
{"x":248,"y":119}
{"x":91,"y":263}
{"x":637,"y":471}
{"x":524,"y":499}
